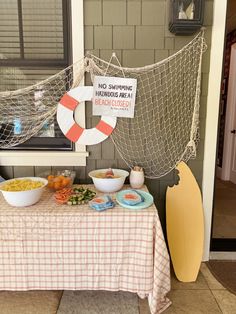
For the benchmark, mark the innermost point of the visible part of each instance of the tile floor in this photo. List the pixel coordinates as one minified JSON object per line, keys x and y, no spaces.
{"x":224,"y":215}
{"x":205,"y":296}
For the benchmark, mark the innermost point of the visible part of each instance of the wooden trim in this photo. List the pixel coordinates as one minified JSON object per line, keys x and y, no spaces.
{"x":77,"y":33}
{"x":49,"y":158}
{"x":213,"y":99}
{"x":229,"y":119}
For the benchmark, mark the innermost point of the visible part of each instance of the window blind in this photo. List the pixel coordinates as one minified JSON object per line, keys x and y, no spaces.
{"x":43,"y":29}
{"x":32,"y":29}
{"x":33,"y":46}
{"x":9,"y":29}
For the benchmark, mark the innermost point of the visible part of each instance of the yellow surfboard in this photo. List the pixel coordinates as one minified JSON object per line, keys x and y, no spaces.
{"x":185,"y":225}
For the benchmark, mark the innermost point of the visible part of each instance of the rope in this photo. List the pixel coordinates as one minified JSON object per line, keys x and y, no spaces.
{"x":165,"y":129}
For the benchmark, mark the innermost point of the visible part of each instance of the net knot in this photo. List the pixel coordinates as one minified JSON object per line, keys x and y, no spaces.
{"x":87,"y":64}
{"x":192,"y":144}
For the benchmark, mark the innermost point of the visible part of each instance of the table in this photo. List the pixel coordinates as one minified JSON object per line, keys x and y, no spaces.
{"x":59,"y":247}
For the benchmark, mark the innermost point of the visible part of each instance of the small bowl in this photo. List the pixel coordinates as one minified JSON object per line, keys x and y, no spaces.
{"x":108,"y":185}
{"x":60,"y":179}
{"x":23,"y":198}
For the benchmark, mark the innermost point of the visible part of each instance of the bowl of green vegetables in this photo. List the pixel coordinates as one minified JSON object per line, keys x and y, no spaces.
{"x":77,"y":195}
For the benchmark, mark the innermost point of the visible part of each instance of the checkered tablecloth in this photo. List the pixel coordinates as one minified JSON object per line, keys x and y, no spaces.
{"x":60,"y":247}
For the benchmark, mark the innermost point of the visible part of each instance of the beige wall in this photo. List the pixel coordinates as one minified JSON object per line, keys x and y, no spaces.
{"x":138,"y":32}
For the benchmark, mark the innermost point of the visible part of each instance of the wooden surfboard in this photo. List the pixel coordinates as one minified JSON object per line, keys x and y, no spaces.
{"x":185,"y":225}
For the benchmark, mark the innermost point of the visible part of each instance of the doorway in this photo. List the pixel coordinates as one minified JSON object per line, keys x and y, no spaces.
{"x":224,"y":211}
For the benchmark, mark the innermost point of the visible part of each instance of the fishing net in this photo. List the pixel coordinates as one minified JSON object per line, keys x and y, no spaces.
{"x":165,"y":127}
{"x":24,"y":112}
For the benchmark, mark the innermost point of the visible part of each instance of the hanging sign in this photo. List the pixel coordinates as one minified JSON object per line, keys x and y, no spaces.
{"x":114,"y":96}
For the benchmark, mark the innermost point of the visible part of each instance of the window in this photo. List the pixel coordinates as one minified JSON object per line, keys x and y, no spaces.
{"x":36,"y":38}
{"x":34,"y":45}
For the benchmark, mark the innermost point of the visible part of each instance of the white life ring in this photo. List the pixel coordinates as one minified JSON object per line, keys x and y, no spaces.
{"x":71,"y":129}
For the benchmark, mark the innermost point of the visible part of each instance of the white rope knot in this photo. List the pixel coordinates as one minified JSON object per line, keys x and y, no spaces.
{"x":192,"y":144}
{"x":114,"y":56}
{"x":87,"y":64}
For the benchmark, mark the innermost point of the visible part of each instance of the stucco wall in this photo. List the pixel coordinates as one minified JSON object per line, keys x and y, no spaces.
{"x":138,"y":32}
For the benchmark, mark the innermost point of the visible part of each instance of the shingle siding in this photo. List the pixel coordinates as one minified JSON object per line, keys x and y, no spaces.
{"x":138,"y":32}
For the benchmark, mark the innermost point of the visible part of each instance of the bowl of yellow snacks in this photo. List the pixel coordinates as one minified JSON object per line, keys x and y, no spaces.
{"x":22,"y":192}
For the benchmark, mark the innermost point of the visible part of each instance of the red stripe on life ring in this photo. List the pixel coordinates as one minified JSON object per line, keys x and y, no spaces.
{"x":74,"y":132}
{"x":104,"y":127}
{"x":69,"y":102}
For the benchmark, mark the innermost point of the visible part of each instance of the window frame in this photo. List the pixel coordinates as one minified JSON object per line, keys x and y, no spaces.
{"x":52,"y":157}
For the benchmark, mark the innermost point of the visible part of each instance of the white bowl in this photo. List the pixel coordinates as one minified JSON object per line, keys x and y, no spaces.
{"x":23,"y":198}
{"x":109,"y":185}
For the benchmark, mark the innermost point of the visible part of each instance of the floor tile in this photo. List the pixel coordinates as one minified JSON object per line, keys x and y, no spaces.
{"x":199,"y":284}
{"x":224,"y":226}
{"x":225,"y":207}
{"x":187,"y":302}
{"x":230,"y":185}
{"x":143,"y":306}
{"x":226,"y":301}
{"x":192,"y":302}
{"x":210,"y":279}
{"x":225,"y":194}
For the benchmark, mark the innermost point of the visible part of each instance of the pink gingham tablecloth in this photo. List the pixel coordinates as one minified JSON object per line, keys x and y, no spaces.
{"x":60,"y":247}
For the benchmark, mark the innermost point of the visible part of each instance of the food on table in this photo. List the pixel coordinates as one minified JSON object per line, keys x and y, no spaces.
{"x":111,"y":184}
{"x":81,"y":196}
{"x":59,"y":181}
{"x":22,"y":185}
{"x":132,"y":197}
{"x":109,"y":174}
{"x":101,"y":203}
{"x":74,"y":196}
{"x":63,"y":195}
{"x":24,"y":191}
{"x":125,"y":199}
